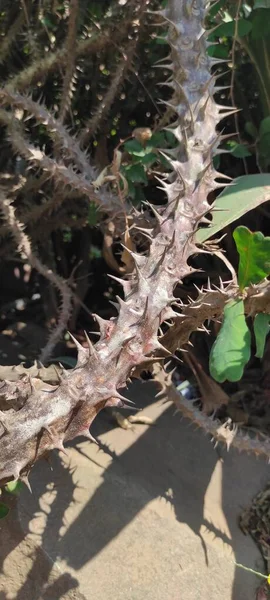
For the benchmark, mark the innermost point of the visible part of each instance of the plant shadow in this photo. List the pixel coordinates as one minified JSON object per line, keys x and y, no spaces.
{"x":169,"y":461}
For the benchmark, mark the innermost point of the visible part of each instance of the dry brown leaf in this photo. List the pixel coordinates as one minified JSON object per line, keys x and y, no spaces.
{"x":141,"y":419}
{"x":122,"y":421}
{"x":142,"y":134}
{"x":126,"y":258}
{"x":212,"y":394}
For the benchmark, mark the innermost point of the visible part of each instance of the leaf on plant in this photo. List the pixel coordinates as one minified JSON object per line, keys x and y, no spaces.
{"x":260,"y":25}
{"x":261,"y":329}
{"x":149,"y":159}
{"x":134,"y":147}
{"x":231,"y":350}
{"x":262,"y":4}
{"x":157,"y":140}
{"x":66,"y":360}
{"x":216,"y":8}
{"x":251,"y":129}
{"x":14,"y":487}
{"x":228,"y":29}
{"x":238,"y":150}
{"x":254,"y":252}
{"x":264,"y":141}
{"x":220,"y":51}
{"x":136,"y":174}
{"x":92,"y":214}
{"x":246,"y":193}
{"x":4,"y":510}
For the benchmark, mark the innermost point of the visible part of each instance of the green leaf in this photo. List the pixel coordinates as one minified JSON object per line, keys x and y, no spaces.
{"x":92,"y":214}
{"x":139,"y":196}
{"x":220,"y":51}
{"x":262,"y":4}
{"x":231,"y":350}
{"x":216,"y":8}
{"x":228,"y":29}
{"x":136,"y":174}
{"x":14,"y":487}
{"x":134,"y":147}
{"x":67,"y":360}
{"x":264,"y":127}
{"x":264,"y":141}
{"x":247,"y":192}
{"x":149,"y":159}
{"x":157,"y":140}
{"x":4,"y":510}
{"x":261,"y":329}
{"x":251,"y":129}
{"x":131,"y":189}
{"x":260,"y":25}
{"x":238,"y":150}
{"x":216,"y":162}
{"x":254,"y":252}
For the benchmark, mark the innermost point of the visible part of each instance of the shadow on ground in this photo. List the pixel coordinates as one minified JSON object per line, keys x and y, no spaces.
{"x":170,"y":461}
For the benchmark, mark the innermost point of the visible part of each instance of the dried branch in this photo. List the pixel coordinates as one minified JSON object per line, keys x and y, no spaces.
{"x":24,"y":246}
{"x":209,"y":305}
{"x":10,"y":36}
{"x":61,"y":174}
{"x":57,"y":131}
{"x":95,"y":43}
{"x":226,"y":433}
{"x":93,"y":124}
{"x":67,"y":90}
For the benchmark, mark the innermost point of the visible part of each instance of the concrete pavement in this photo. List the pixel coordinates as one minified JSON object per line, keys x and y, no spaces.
{"x":151,"y":515}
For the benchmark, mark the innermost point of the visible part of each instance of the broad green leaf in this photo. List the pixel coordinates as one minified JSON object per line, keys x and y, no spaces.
{"x":238,"y":150}
{"x":260,"y":24}
{"x":262,"y":4}
{"x":264,"y":127}
{"x":247,"y":192}
{"x":136,"y":174}
{"x":139,"y":196}
{"x":131,"y":190}
{"x":14,"y":487}
{"x":158,"y":140}
{"x":220,"y":51}
{"x":67,"y":360}
{"x":228,"y":29}
{"x":4,"y":510}
{"x":264,"y":141}
{"x":231,"y":350}
{"x":261,"y":329}
{"x":149,"y":159}
{"x":216,"y":7}
{"x":254,"y":252}
{"x":251,"y":129}
{"x":134,"y":147}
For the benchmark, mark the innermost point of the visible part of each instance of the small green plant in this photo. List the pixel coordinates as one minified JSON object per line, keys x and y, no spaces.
{"x":14,"y":488}
{"x":231,"y":351}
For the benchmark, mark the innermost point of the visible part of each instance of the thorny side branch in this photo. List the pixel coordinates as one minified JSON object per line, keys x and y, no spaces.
{"x":24,"y":246}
